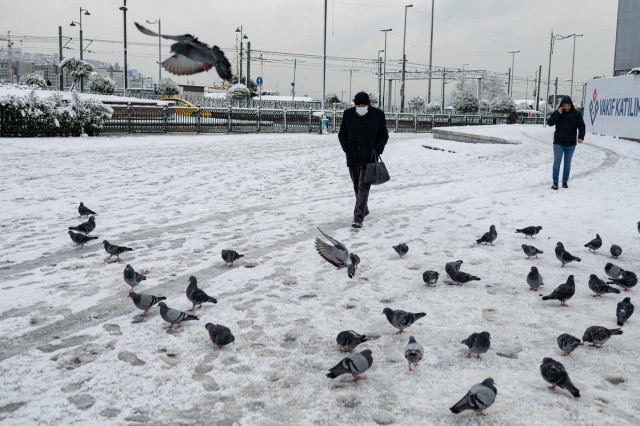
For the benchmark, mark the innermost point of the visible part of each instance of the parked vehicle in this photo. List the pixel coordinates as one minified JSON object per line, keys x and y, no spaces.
{"x":189,"y":109}
{"x":529,"y":113}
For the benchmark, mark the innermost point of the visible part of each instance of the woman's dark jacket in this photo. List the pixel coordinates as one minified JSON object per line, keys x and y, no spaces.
{"x":360,"y":135}
{"x":566,"y":124}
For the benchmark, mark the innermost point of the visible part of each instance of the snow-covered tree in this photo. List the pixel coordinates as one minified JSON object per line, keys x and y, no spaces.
{"x":100,"y":83}
{"x":78,"y":69}
{"x":493,"y":87}
{"x":501,"y":104}
{"x":331,"y":99}
{"x":433,"y":107}
{"x":417,"y":103}
{"x":373,"y":99}
{"x":33,"y":79}
{"x":167,"y":87}
{"x":238,"y":92}
{"x":251,"y":85}
{"x":90,"y":114}
{"x":465,"y":102}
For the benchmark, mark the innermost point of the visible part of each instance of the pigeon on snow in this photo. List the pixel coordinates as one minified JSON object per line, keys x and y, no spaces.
{"x":478,"y":343}
{"x":145,"y":301}
{"x":460,"y":277}
{"x":599,"y":287}
{"x":594,"y":244}
{"x":564,"y":256}
{"x":174,"y":316}
{"x":451,"y":267}
{"x":626,"y":280}
{"x":615,"y":251}
{"x":534,"y":279}
{"x":568,"y":343}
{"x":599,"y":335}
{"x":529,"y":231}
{"x":336,"y":254}
{"x":553,"y":372}
{"x":219,"y":334}
{"x":80,"y":239}
{"x":413,"y":352}
{"x":197,"y":296}
{"x":85,"y":227}
{"x":612,"y":270}
{"x":114,"y":250}
{"x":563,"y":292}
{"x":355,"y":364}
{"x":230,"y":256}
{"x":85,"y":211}
{"x":191,"y":56}
{"x":488,"y":237}
{"x":430,"y":278}
{"x":479,"y":398}
{"x":401,"y":319}
{"x":401,"y":249}
{"x":531,"y":251}
{"x":624,"y":310}
{"x":131,"y":277}
{"x":349,"y":339}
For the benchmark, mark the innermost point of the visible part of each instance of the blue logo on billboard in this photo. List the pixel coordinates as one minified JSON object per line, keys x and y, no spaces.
{"x":593,"y":106}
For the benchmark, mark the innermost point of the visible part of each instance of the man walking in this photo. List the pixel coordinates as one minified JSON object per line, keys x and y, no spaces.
{"x":363,"y":135}
{"x":567,"y":121}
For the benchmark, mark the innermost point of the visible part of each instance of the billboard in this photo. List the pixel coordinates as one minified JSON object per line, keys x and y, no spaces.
{"x":613,"y":107}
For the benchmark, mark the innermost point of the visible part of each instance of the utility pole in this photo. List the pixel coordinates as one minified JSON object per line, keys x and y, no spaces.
{"x":126,"y":71}
{"x":538,"y":91}
{"x":430,"y":55}
{"x":385,"y":66}
{"x":293,"y":85}
{"x":324,"y":57}
{"x":444,"y":73}
{"x":350,"y":75}
{"x":248,"y":62}
{"x":404,"y":57}
{"x":513,"y":55}
{"x":60,"y":79}
{"x":10,"y":52}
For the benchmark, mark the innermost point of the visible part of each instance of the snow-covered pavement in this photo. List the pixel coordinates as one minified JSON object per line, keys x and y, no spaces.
{"x":73,"y":349}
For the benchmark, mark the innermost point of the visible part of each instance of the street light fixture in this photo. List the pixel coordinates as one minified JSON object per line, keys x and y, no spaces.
{"x":125,"y":74}
{"x":73,"y":24}
{"x":553,"y":39}
{"x":513,"y":55}
{"x":573,"y":61}
{"x":384,"y":72}
{"x":243,"y":36}
{"x":157,"y":21}
{"x":379,"y":59}
{"x":404,"y":59}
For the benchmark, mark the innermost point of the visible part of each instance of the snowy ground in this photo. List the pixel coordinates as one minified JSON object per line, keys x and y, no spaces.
{"x":73,"y":349}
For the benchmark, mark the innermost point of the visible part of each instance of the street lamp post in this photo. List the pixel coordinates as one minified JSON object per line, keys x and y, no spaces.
{"x":553,"y":38}
{"x":379,"y":77}
{"x":126,"y":72}
{"x":430,"y":55}
{"x":384,"y":71}
{"x":404,"y":59}
{"x":243,"y":36}
{"x":73,"y":24}
{"x":573,"y":61}
{"x":157,"y":21}
{"x":513,"y":55}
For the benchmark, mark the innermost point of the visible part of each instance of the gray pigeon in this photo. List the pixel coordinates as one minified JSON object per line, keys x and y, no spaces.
{"x":145,"y":301}
{"x":430,"y":278}
{"x":594,"y":244}
{"x":529,"y":231}
{"x":336,"y":254}
{"x":131,"y":277}
{"x":219,"y":334}
{"x":355,"y":261}
{"x":626,"y":280}
{"x":564,"y":256}
{"x":401,"y":319}
{"x":401,"y":249}
{"x":197,"y":296}
{"x":624,"y":310}
{"x":488,"y":237}
{"x":114,"y":250}
{"x":599,"y":287}
{"x":563,"y":292}
{"x":355,"y":364}
{"x":460,"y":277}
{"x":85,"y":227}
{"x":612,"y":270}
{"x":478,"y":343}
{"x":174,"y":316}
{"x":479,"y":398}
{"x":534,"y":279}
{"x":568,"y":343}
{"x":553,"y":372}
{"x":615,"y":251}
{"x":191,"y":56}
{"x":413,"y":352}
{"x":599,"y":335}
{"x":531,"y":251}
{"x":230,"y":256}
{"x":451,"y":267}
{"x":349,"y":339}
{"x":85,"y":211}
{"x":638,"y":227}
{"x":80,"y":239}
{"x":351,"y":270}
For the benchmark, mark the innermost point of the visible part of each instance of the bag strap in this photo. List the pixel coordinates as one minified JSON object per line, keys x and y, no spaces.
{"x":375,"y":157}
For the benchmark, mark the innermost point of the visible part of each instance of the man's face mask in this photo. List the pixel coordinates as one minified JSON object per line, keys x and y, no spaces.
{"x":362,"y":110}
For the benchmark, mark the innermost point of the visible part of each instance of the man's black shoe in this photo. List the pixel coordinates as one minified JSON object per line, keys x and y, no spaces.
{"x":554,"y":186}
{"x":564,"y":185}
{"x":356,"y":225}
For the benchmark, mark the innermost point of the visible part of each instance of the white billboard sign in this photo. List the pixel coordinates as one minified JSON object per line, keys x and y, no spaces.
{"x":613,"y":108}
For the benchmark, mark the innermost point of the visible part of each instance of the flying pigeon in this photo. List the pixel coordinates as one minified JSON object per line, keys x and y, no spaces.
{"x":401,"y":319}
{"x":145,"y":301}
{"x":553,"y":372}
{"x":626,"y":280}
{"x":114,"y":250}
{"x":460,"y":277}
{"x":219,"y":334}
{"x":488,"y":237}
{"x":355,"y":364}
{"x":191,"y":56}
{"x":349,"y":339}
{"x":568,"y":343}
{"x":336,"y":254}
{"x":594,"y":244}
{"x":615,"y":251}
{"x":197,"y":296}
{"x":413,"y":352}
{"x":84,"y":211}
{"x":564,"y":256}
{"x":401,"y":249}
{"x":430,"y":278}
{"x":131,"y":277}
{"x":80,"y":239}
{"x":478,"y":343}
{"x":451,"y":267}
{"x":529,"y":231}
{"x":624,"y":310}
{"x":479,"y":398}
{"x":230,"y":256}
{"x":534,"y":279}
{"x":599,"y":335}
{"x":85,"y":227}
{"x":531,"y":251}
{"x":612,"y":270}
{"x":599,"y":287}
{"x":563,"y":292}
{"x":174,"y":316}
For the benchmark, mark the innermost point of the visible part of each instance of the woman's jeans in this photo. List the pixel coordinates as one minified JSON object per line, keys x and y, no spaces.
{"x":558,"y":152}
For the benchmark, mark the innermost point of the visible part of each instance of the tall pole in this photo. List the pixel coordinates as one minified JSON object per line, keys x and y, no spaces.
{"x":61,"y":81}
{"x":430,"y":55}
{"x":444,"y":73}
{"x":248,"y":62}
{"x":380,"y":78}
{"x":126,"y":71}
{"x":546,"y":100}
{"x":404,"y":57}
{"x":159,"y":51}
{"x":573,"y":61}
{"x":539,"y":77}
{"x":350,"y":75}
{"x":513,"y":55}
{"x":293,"y":85}
{"x":384,"y":71}
{"x":324,"y":56}
{"x":241,"y":42}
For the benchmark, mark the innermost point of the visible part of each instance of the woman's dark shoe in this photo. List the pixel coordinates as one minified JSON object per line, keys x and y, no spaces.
{"x":564,"y":185}
{"x":554,"y":186}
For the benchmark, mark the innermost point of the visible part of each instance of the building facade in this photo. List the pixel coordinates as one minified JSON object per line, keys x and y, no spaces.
{"x":627,"y":53}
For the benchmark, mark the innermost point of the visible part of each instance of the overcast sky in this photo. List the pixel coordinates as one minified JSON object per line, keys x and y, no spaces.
{"x":473,"y":32}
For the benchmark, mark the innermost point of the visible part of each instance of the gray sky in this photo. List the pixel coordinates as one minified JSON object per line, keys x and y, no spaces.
{"x":474,"y":32}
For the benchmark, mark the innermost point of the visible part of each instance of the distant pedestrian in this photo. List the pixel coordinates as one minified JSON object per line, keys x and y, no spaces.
{"x":513,"y":117}
{"x":363,"y":131}
{"x":567,"y":121}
